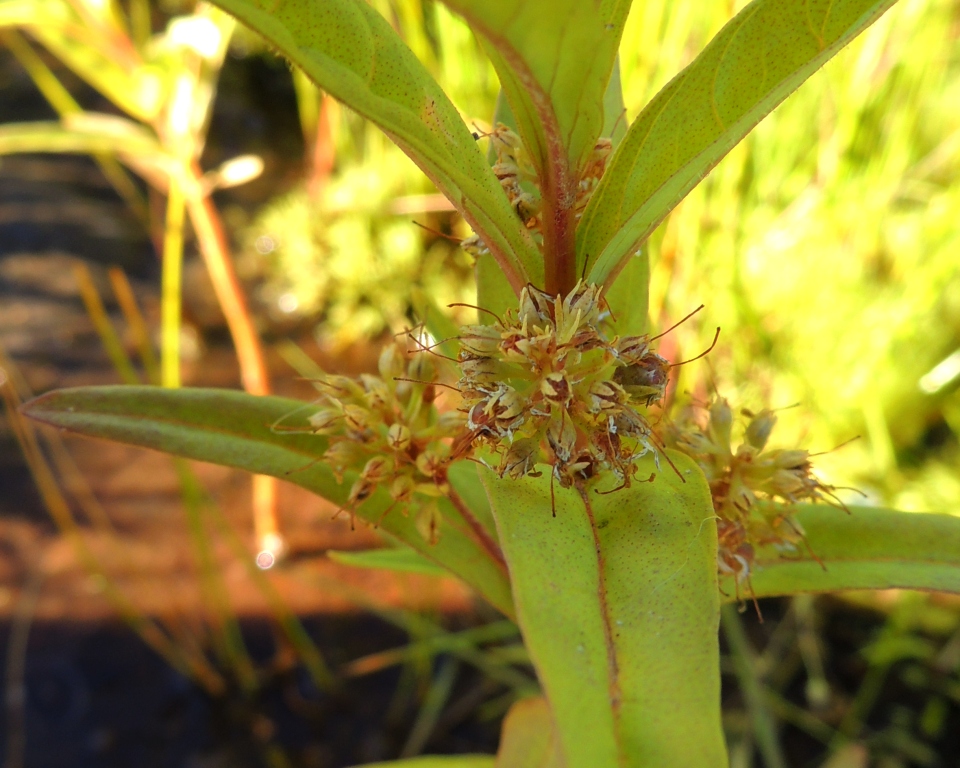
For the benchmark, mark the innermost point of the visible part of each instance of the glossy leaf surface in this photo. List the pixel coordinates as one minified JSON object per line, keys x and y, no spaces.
{"x":235,"y":429}
{"x":351,"y":52}
{"x":762,"y":55}
{"x":868,"y":549}
{"x":618,"y":603}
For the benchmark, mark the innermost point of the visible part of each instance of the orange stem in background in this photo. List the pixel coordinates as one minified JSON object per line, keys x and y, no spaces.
{"x":215,"y":252}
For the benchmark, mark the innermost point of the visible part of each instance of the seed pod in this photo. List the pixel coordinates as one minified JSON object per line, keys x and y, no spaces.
{"x":474,"y":246}
{"x":377,"y":392}
{"x":402,"y":487}
{"x":606,"y":397}
{"x":645,"y":379}
{"x":325,"y":421}
{"x":343,"y":455}
{"x":536,"y":307}
{"x":556,"y":388}
{"x":583,"y":300}
{"x":520,"y":459}
{"x":795,"y":459}
{"x":427,"y":521}
{"x":631,"y":349}
{"x":431,"y":464}
{"x":507,"y":408}
{"x":398,"y":437}
{"x":479,"y":341}
{"x":390,"y":364}
{"x":562,"y":437}
{"x":759,"y":429}
{"x":358,"y":421}
{"x":720,"y":426}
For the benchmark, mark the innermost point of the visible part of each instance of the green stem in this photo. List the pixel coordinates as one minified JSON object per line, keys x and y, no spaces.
{"x":172,"y":278}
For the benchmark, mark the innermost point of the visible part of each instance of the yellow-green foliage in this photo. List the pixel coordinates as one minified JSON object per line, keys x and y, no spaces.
{"x":354,"y":254}
{"x":826,"y":244}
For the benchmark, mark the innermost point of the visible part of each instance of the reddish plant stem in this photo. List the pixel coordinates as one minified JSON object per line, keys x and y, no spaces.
{"x":253,"y":368}
{"x":483,"y":535}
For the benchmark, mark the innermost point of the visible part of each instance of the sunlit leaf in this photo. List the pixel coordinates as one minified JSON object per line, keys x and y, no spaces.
{"x":763,"y":54}
{"x":240,"y":430}
{"x":869,"y":548}
{"x":617,"y":600}
{"x":111,"y":135}
{"x":351,"y":52}
{"x":554,"y":59}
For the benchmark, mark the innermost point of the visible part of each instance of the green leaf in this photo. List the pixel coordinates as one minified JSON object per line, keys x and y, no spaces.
{"x":762,"y":55}
{"x":617,"y":600}
{"x":554,"y":59}
{"x":444,"y":761}
{"x":87,"y":133}
{"x":629,"y":296}
{"x":869,"y":548}
{"x":528,"y":738}
{"x":351,"y":52}
{"x":405,"y":560}
{"x":237,"y":430}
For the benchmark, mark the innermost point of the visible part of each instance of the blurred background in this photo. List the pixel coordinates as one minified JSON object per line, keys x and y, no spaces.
{"x":295,"y":237}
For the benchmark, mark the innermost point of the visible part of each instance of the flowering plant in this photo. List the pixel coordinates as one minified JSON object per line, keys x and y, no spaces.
{"x":520,"y":453}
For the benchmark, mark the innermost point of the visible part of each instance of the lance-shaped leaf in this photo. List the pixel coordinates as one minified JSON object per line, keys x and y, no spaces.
{"x":240,"y":430}
{"x":554,"y":59}
{"x":351,"y":52}
{"x":868,"y":548}
{"x":762,"y":55}
{"x":617,"y":600}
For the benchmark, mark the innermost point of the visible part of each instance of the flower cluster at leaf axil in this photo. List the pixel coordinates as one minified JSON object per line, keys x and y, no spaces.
{"x":518,"y":178}
{"x":544,"y":385}
{"x":742,"y":479}
{"x":547,"y":388}
{"x":388,"y":428}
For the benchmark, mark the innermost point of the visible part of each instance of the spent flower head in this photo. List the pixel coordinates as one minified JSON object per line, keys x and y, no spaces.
{"x":546,"y":385}
{"x":743,"y":478}
{"x":388,"y":430}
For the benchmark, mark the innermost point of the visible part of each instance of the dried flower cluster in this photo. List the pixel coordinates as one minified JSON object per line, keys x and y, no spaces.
{"x":389,"y":429}
{"x":519,"y":180}
{"x":545,"y":386}
{"x":740,"y":480}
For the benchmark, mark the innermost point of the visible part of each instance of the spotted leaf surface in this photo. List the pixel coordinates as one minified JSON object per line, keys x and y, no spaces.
{"x":618,"y":603}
